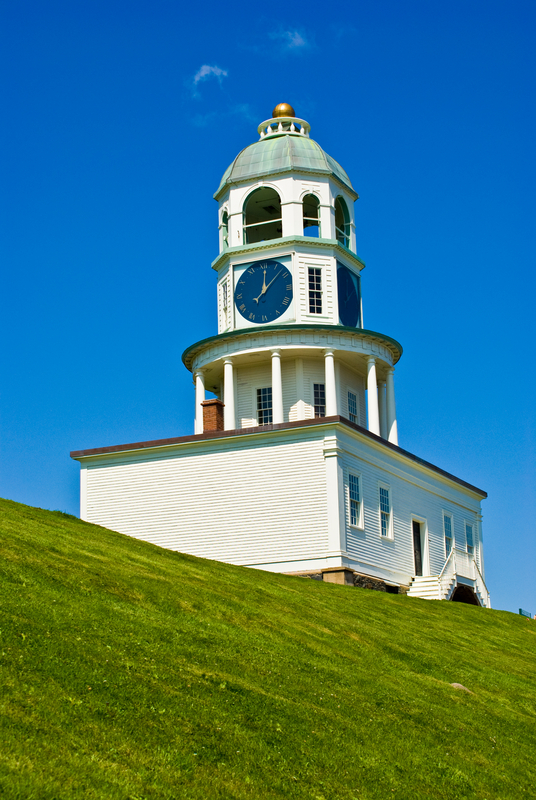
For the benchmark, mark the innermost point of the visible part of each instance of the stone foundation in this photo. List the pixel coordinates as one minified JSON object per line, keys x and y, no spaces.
{"x":347,"y":577}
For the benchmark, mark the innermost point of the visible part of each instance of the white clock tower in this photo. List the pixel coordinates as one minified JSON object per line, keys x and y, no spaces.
{"x":294,"y":465}
{"x":291,"y":343}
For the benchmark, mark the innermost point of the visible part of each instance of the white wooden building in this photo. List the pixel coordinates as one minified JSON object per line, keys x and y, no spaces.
{"x":294,"y":465}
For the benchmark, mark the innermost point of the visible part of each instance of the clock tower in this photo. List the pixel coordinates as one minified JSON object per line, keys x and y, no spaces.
{"x":291,"y":344}
{"x":294,"y":465}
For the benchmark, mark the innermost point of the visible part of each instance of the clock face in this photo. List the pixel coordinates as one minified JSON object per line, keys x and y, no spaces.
{"x":264,"y":291}
{"x":347,"y":285}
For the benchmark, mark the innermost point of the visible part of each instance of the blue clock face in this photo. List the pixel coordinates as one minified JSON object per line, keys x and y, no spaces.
{"x":349,"y":302}
{"x":264,"y":291}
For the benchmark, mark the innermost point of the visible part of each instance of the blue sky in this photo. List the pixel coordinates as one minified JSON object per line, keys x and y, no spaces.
{"x":118,"y":122}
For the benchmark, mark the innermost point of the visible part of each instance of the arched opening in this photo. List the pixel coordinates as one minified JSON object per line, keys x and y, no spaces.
{"x":224,"y":230}
{"x":464,"y":594}
{"x":342,"y":222}
{"x":311,"y":216}
{"x":262,"y":216}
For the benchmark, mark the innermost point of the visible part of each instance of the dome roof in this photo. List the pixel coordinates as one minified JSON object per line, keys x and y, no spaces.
{"x":283,"y":152}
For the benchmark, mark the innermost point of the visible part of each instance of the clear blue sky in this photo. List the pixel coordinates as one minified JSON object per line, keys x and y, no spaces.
{"x":114,"y":139}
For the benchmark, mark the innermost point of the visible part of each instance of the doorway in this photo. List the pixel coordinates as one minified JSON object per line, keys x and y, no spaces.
{"x":417,"y":547}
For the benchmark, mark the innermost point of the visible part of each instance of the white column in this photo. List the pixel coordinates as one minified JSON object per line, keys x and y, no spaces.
{"x":383,"y":409}
{"x":277,"y":388}
{"x":372,"y":397}
{"x":229,"y":423}
{"x":199,"y":397}
{"x":331,"y":390}
{"x":392,"y":428}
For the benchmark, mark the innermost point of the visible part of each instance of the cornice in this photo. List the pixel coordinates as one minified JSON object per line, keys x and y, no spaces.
{"x":259,"y":247}
{"x":265,"y":430}
{"x":255,"y":333}
{"x":326,"y":173}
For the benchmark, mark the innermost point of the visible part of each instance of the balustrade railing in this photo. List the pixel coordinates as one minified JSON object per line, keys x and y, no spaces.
{"x":447,"y":575}
{"x":459,"y":562}
{"x":283,"y":125}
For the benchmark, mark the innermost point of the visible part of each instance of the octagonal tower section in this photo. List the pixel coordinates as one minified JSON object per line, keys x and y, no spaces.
{"x":291,"y":344}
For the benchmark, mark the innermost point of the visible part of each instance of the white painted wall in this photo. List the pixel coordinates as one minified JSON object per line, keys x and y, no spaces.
{"x":278,"y":500}
{"x":243,"y":501}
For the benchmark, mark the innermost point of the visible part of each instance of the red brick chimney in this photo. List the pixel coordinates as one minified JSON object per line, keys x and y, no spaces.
{"x":212,"y":415}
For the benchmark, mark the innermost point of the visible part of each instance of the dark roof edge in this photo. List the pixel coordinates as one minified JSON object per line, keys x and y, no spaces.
{"x":260,"y":430}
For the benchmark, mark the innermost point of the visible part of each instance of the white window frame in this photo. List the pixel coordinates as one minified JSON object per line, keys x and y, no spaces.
{"x":319,"y":382}
{"x":224,"y":308}
{"x":468,"y":524}
{"x":445,"y":537}
{"x":356,"y":395}
{"x":360,"y":524}
{"x":322,"y":312}
{"x":255,"y":407}
{"x":390,"y":528}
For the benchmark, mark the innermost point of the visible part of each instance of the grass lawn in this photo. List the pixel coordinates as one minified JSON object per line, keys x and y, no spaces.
{"x":133,"y":672}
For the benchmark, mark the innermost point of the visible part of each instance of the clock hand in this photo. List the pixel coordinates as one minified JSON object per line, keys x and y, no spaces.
{"x":264,"y":287}
{"x":273,"y":279}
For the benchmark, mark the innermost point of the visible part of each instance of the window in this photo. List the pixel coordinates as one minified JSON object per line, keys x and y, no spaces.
{"x":224,"y":304}
{"x":352,"y":407}
{"x":320,"y":399}
{"x":385,"y":512}
{"x":315,"y":290}
{"x":264,"y":406}
{"x":469,"y":538}
{"x":342,"y":222}
{"x":355,"y":499}
{"x":447,"y":528}
{"x":225,"y":230}
{"x":262,"y":216}
{"x":311,"y":219}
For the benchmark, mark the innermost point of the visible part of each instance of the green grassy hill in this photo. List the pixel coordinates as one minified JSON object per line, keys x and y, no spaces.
{"x":133,"y":672}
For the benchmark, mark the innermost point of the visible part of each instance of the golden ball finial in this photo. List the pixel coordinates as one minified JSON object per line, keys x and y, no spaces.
{"x":283,"y":110}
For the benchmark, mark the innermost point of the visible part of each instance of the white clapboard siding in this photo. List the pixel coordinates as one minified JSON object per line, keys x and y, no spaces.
{"x":327,"y":267}
{"x":248,"y":380}
{"x":313,"y":372}
{"x":288,"y":379}
{"x":236,"y":503}
{"x":410,"y":499}
{"x":351,"y":381}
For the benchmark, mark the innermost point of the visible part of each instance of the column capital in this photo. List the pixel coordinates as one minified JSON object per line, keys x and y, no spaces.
{"x":329,"y":351}
{"x":391,"y":370}
{"x":371,"y":359}
{"x":198,"y":371}
{"x":227,"y":360}
{"x":276,"y":351}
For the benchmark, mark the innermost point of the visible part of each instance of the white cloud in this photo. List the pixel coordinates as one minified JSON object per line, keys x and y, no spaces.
{"x":205,"y":72}
{"x":291,"y":40}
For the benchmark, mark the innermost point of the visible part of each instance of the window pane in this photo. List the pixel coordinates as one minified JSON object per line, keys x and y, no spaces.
{"x":385,"y":510}
{"x":320,"y":399}
{"x":315,"y":290}
{"x":264,"y":406}
{"x":469,"y":538}
{"x":354,"y":488}
{"x":352,"y":407}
